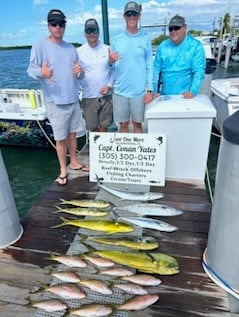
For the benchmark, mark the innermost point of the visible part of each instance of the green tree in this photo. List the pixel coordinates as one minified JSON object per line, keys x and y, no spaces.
{"x":157,"y":40}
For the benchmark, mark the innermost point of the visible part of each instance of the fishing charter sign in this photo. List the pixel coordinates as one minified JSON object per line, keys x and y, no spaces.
{"x":132,"y":158}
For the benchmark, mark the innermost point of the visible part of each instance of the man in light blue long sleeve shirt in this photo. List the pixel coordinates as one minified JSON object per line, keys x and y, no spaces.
{"x":133,"y":71}
{"x":179,"y":62}
{"x":55,"y":64}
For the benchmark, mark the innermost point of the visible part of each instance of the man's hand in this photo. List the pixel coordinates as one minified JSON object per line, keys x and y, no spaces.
{"x":46,"y":71}
{"x":188,"y":95}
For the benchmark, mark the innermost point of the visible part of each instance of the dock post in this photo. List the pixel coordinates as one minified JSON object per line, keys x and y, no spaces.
{"x":222,"y":256}
{"x":219,"y":52}
{"x":10,"y":228}
{"x":228,"y":53}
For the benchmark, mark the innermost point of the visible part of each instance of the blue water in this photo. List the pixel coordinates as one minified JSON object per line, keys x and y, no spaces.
{"x":31,"y":171}
{"x":13,"y":72}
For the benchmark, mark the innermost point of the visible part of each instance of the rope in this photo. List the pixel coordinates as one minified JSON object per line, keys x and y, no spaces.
{"x":45,"y":134}
{"x":52,"y":144}
{"x":216,"y":278}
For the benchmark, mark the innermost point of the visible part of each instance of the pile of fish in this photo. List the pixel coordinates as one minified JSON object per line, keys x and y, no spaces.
{"x":125,"y":264}
{"x":74,"y":286}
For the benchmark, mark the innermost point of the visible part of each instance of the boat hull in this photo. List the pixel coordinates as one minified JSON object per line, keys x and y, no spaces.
{"x":224,"y":95}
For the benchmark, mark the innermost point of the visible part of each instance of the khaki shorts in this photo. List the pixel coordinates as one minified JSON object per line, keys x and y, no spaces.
{"x":98,"y":112}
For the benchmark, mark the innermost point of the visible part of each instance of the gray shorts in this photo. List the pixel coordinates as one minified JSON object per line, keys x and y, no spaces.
{"x":126,"y":108}
{"x":98,"y":112}
{"x":65,"y":119}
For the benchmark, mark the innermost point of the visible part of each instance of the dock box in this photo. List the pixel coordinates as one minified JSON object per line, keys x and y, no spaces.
{"x":187,"y":124}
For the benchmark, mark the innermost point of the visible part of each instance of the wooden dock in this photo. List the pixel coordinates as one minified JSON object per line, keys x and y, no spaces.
{"x":24,"y":266}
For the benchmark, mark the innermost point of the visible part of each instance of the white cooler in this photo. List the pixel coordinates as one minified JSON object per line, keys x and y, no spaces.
{"x":187,"y":124}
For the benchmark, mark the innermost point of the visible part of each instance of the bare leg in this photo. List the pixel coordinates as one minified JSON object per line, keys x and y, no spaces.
{"x":61,"y":149}
{"x":137,"y":127}
{"x":72,"y":147}
{"x":124,"y":127}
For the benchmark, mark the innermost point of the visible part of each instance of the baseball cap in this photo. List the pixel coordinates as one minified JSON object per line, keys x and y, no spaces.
{"x":56,"y":15}
{"x":177,"y":20}
{"x":132,"y":6}
{"x":91,"y":24}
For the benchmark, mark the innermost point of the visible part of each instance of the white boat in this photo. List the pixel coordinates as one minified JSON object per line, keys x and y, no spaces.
{"x":224,"y":95}
{"x":235,"y":57}
{"x":23,"y":118}
{"x":22,"y":104}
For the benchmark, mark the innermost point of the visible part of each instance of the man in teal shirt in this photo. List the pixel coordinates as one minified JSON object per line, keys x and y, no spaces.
{"x":179,"y":62}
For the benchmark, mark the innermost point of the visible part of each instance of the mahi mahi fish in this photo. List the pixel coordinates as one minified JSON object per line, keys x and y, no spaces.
{"x":91,"y":203}
{"x":149,"y":223}
{"x":140,"y":196}
{"x":78,"y":211}
{"x":107,"y":226}
{"x":149,"y":209}
{"x":155,"y":262}
{"x":144,"y":243}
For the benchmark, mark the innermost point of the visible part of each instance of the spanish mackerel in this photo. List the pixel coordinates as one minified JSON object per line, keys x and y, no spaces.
{"x":150,"y":209}
{"x":125,"y":195}
{"x":149,"y":223}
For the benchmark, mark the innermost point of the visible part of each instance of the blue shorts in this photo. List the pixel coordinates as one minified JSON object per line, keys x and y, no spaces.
{"x":65,"y":119}
{"x":126,"y":108}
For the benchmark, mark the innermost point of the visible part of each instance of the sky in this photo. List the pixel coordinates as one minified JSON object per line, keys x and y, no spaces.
{"x":23,"y":22}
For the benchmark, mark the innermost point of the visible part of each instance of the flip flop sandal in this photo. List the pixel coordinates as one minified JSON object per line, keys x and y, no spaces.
{"x":62,"y":180}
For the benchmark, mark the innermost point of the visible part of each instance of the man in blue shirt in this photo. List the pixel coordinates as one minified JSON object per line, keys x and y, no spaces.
{"x":56,"y":65}
{"x":179,"y":62}
{"x":133,"y":71}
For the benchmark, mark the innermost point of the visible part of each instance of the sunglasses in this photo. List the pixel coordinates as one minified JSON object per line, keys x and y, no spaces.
{"x":60,"y":24}
{"x":91,"y":31}
{"x":132,"y":13}
{"x":174,"y":28}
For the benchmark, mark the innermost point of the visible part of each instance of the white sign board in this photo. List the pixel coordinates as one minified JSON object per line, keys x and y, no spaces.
{"x":132,"y":158}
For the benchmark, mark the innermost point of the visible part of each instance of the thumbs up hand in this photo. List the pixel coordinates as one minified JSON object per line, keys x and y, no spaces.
{"x":46,"y":71}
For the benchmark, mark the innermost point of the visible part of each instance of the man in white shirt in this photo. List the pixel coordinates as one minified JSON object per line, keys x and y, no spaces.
{"x":97,"y":79}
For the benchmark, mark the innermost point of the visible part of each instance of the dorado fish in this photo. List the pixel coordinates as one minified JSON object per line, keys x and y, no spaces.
{"x":107,"y":226}
{"x":95,"y":212}
{"x":149,"y":223}
{"x":155,"y":263}
{"x":139,"y":302}
{"x":149,"y":209}
{"x":144,"y":243}
{"x":90,"y":203}
{"x":49,"y":305}
{"x":87,"y":310}
{"x":125,"y":195}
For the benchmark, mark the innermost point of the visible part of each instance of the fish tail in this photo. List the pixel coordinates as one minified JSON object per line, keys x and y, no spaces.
{"x":51,"y":256}
{"x":59,"y":209}
{"x":64,"y":222}
{"x":83,"y":238}
{"x":63,"y":201}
